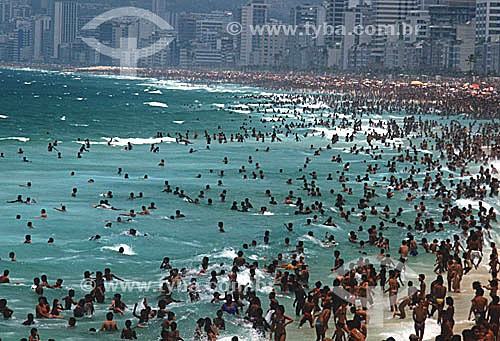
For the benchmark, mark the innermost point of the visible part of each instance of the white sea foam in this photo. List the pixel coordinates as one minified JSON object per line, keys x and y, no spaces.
{"x":178,"y":122}
{"x":265,"y":213}
{"x":496,"y":165}
{"x":244,"y":276}
{"x":380,"y":131}
{"x":156,"y":104}
{"x":118,"y":141}
{"x":90,"y":142}
{"x":3,"y":116}
{"x":312,"y":239}
{"x":237,"y":111}
{"x":342,"y":132}
{"x":330,"y":132}
{"x":185,"y":86}
{"x":117,"y":77}
{"x":225,"y":253}
{"x":156,"y":92}
{"x":173,"y":85}
{"x":473,"y":203}
{"x":405,"y":329}
{"x":127,"y":250}
{"x":31,"y":70}
{"x":22,"y":139}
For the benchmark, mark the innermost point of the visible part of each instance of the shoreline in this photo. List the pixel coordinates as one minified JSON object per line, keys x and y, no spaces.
{"x":442,"y":94}
{"x":321,"y":83}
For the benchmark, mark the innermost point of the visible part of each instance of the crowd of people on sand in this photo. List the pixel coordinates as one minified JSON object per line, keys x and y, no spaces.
{"x":449,"y":96}
{"x":421,"y":178}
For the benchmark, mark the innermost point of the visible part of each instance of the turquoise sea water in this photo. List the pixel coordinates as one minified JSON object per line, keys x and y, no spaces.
{"x":40,"y":107}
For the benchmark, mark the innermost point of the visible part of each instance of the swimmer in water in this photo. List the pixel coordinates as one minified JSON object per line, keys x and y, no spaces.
{"x":144,"y":211}
{"x":62,"y":209}
{"x":43,"y":214}
{"x":19,"y":199}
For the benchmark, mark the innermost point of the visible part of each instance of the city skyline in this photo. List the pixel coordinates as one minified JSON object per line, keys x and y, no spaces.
{"x":447,"y":36}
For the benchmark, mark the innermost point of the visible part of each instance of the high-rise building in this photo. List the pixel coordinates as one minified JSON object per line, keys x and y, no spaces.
{"x":420,"y":22}
{"x":187,"y":27}
{"x":4,"y":11}
{"x":308,"y":42}
{"x":251,"y":15}
{"x":487,"y":19}
{"x":302,"y":14}
{"x":273,"y":50}
{"x":197,"y":26}
{"x":445,"y":17}
{"x":42,"y":38}
{"x":487,"y":34}
{"x":314,"y":16}
{"x":354,"y":17}
{"x":335,"y":17}
{"x":35,"y":5}
{"x":388,"y":15}
{"x":47,"y":7}
{"x":123,"y":30}
{"x":159,"y":8}
{"x":452,"y":12}
{"x":65,"y":24}
{"x":19,"y":11}
{"x":211,"y":26}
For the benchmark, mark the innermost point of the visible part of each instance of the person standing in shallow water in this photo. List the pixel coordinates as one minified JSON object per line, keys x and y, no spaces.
{"x":109,"y":325}
{"x":279,"y":323}
{"x":419,"y":316}
{"x":321,"y":324}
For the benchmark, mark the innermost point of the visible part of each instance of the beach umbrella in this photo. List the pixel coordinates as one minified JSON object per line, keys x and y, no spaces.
{"x":474,"y":86}
{"x":417,"y":83}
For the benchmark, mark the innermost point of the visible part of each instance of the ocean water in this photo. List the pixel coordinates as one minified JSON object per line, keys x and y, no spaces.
{"x":39,"y":107}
